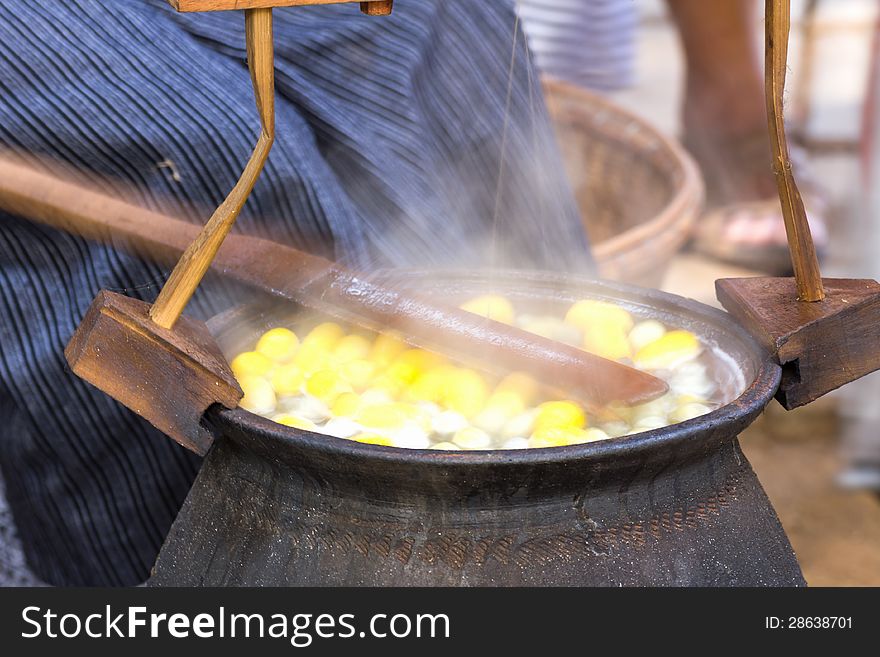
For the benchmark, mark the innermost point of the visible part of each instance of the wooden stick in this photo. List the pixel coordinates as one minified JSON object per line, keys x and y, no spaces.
{"x":195,"y":261}
{"x":232,"y":5}
{"x":797,"y":228}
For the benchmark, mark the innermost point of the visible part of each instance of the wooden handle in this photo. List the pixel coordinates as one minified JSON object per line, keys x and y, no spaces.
{"x":54,"y":199}
{"x":797,"y":228}
{"x":196,"y":260}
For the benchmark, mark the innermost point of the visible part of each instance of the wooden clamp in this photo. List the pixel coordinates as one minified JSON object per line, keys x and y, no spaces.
{"x":170,"y":372}
{"x":166,"y":369}
{"x":821,"y":346}
{"x":824,"y":332}
{"x":189,"y":272}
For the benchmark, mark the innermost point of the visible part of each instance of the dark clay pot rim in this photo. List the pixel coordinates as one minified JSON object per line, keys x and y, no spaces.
{"x":696,"y":435}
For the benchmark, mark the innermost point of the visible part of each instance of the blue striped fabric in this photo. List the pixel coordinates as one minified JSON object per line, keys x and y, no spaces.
{"x":590,"y":43}
{"x":390,"y":135}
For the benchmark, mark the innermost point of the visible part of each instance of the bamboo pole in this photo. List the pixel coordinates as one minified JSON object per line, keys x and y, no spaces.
{"x":800,"y":240}
{"x":191,"y":268}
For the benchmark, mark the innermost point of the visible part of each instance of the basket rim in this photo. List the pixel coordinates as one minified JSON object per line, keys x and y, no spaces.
{"x":681,"y":210}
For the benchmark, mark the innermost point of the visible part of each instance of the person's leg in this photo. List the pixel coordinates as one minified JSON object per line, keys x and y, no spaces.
{"x":725,"y":127}
{"x":724,"y":90}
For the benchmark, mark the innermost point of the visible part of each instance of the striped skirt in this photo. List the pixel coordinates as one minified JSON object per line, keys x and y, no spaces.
{"x":419,"y":139}
{"x":590,"y":43}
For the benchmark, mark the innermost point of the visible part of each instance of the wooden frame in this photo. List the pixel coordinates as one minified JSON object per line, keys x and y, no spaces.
{"x":225,"y":5}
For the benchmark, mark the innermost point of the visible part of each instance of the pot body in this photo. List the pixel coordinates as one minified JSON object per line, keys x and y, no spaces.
{"x":675,"y":506}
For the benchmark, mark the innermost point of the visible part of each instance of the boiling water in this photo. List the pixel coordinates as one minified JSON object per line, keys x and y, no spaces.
{"x":305,"y":372}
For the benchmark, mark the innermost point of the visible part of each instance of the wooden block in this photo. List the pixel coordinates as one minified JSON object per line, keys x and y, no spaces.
{"x":225,"y":5}
{"x":821,"y":345}
{"x":377,"y":7}
{"x":168,"y":377}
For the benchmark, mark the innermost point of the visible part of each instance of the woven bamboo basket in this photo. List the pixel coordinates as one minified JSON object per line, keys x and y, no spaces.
{"x":638,"y":191}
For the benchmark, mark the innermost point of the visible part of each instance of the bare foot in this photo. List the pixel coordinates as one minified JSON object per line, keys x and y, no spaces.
{"x":743,"y":223}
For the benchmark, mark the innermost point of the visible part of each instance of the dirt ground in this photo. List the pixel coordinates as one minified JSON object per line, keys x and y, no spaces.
{"x":835,"y":533}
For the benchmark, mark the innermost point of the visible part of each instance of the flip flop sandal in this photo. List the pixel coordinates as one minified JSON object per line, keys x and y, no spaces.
{"x":751,"y":233}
